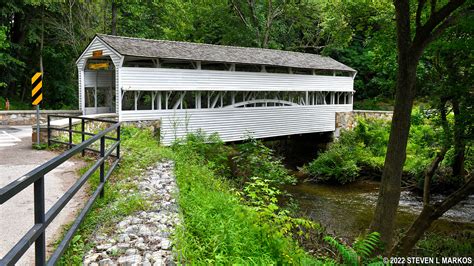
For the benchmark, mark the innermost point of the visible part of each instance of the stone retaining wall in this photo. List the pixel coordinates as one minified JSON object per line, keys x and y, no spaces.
{"x":28,"y":117}
{"x":347,"y":120}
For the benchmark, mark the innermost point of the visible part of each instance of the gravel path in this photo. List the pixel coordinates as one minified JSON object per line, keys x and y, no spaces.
{"x":143,"y":238}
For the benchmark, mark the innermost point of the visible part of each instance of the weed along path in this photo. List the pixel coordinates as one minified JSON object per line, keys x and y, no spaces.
{"x":142,"y":238}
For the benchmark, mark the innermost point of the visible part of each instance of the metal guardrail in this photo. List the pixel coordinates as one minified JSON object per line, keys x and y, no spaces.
{"x":83,"y":133}
{"x":37,"y":233}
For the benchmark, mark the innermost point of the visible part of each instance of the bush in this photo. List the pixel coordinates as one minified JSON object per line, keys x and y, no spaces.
{"x":338,"y":163}
{"x":209,"y":148}
{"x":254,"y":159}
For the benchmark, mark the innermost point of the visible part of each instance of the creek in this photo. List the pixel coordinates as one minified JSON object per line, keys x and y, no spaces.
{"x":347,"y":210}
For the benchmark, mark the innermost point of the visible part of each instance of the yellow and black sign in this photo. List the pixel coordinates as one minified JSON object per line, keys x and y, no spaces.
{"x":99,"y":66}
{"x":37,"y":88}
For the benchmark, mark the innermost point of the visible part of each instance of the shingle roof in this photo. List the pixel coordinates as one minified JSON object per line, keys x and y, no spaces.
{"x":219,"y":53}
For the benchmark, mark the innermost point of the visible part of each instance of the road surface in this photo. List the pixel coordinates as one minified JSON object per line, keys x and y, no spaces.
{"x":16,"y":216}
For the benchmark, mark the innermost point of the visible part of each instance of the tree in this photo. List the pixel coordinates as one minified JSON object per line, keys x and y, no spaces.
{"x":411,"y":42}
{"x":259,"y":17}
{"x":448,"y":81}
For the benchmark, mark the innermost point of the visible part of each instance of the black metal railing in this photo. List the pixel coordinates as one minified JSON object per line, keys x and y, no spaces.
{"x":70,"y":130}
{"x":36,"y":177}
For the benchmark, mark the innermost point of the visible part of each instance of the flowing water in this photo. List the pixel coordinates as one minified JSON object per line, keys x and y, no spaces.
{"x":347,"y":210}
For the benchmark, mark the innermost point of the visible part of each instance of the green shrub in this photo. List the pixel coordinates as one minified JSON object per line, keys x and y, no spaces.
{"x":210,"y":148}
{"x":365,"y":148}
{"x":254,"y":159}
{"x":339,"y":162}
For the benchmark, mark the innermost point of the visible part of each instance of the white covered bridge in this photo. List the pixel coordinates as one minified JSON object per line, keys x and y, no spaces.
{"x":234,"y":91}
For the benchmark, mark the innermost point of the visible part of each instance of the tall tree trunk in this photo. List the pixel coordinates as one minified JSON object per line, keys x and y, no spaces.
{"x":459,"y":144}
{"x":114,"y":18}
{"x":429,"y":214}
{"x":390,"y":187}
{"x":409,"y":50}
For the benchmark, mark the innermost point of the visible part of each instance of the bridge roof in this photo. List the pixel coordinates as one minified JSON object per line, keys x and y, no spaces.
{"x":128,"y":46}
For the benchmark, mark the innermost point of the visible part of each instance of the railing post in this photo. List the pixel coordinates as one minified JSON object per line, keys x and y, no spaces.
{"x":83,"y":137}
{"x":118,"y":139}
{"x":102,"y":165}
{"x":49,"y":131}
{"x":70,"y":132}
{"x":40,"y":243}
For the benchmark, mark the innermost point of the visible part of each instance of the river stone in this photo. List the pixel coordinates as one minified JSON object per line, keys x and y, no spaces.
{"x":165,"y":244}
{"x":130,"y":260}
{"x":106,"y":262}
{"x":123,"y":245}
{"x":104,"y":246}
{"x":144,"y":230}
{"x":131,"y":251}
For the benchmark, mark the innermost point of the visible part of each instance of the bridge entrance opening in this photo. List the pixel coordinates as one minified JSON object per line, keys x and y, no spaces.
{"x":99,"y":78}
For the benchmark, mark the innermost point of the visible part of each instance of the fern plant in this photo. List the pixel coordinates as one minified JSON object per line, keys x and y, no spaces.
{"x":361,"y":250}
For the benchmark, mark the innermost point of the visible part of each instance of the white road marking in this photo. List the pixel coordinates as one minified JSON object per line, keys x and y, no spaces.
{"x":7,"y":140}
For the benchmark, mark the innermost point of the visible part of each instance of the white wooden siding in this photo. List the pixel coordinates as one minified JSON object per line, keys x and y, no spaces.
{"x":80,"y":79}
{"x":153,"y":79}
{"x":236,"y":123}
{"x":96,"y":45}
{"x":118,"y":89}
{"x":101,"y":78}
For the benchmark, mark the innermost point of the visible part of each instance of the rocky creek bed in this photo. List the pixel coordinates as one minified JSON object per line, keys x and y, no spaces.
{"x":144,"y":237}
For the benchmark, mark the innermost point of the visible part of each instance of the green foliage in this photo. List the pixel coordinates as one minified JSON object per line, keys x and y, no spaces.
{"x":337,"y":164}
{"x":210,"y":148}
{"x":256,"y":160}
{"x":218,"y":228}
{"x":340,"y":162}
{"x":365,"y":246}
{"x":222,"y":225}
{"x":73,"y":255}
{"x":460,"y":244}
{"x":261,"y":195}
{"x":364,"y":148}
{"x":361,"y":251}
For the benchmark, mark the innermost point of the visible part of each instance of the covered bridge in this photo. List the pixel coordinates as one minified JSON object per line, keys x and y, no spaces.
{"x":234,"y":91}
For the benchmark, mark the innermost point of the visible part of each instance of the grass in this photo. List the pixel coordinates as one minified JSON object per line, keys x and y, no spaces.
{"x":218,"y":228}
{"x":459,"y":244}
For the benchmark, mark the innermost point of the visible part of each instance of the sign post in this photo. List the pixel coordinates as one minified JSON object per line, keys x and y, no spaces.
{"x":37,"y":97}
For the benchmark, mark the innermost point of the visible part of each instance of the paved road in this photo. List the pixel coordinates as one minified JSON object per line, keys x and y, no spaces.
{"x":16,"y":216}
{"x":7,"y":139}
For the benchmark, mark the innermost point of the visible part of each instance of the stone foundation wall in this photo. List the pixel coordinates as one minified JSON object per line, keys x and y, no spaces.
{"x":17,"y":118}
{"x":347,"y":120}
